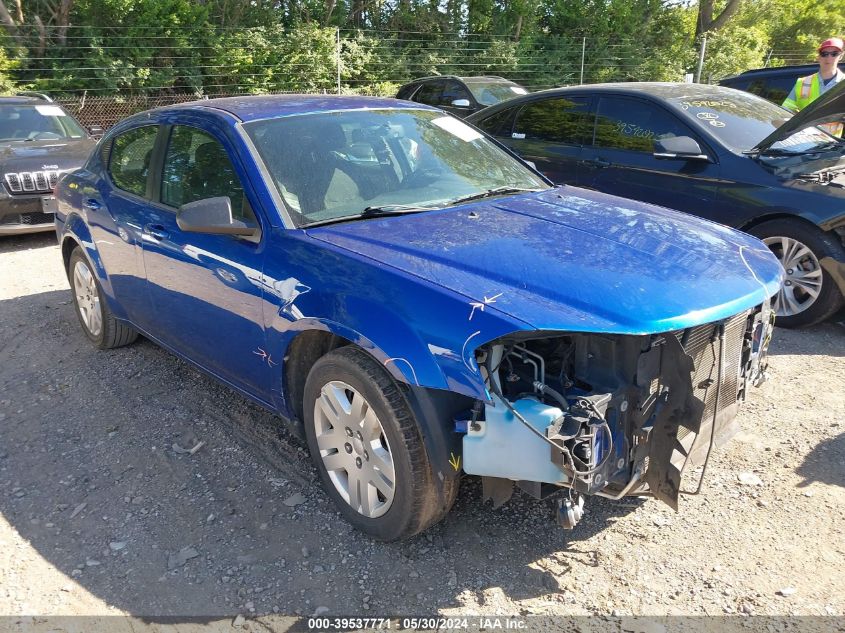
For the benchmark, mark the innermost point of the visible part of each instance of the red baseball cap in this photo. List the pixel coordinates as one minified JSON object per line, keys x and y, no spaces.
{"x":833,"y":42}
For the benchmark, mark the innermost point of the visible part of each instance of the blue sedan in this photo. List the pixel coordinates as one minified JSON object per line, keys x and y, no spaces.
{"x":417,"y":301}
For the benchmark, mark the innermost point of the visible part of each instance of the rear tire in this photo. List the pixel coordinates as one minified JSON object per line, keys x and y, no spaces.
{"x":809,"y":295}
{"x":97,"y":321}
{"x":368,"y":448}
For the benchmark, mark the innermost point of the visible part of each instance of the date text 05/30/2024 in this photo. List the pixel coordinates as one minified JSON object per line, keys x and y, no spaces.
{"x":489,"y":623}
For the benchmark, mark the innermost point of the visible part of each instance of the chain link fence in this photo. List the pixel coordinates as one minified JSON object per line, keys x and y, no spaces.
{"x":151,"y":71}
{"x":107,"y":60}
{"x":105,"y":111}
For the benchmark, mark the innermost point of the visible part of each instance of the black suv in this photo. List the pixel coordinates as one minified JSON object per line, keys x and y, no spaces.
{"x":39,"y":141}
{"x":773,"y":84}
{"x":460,"y":96}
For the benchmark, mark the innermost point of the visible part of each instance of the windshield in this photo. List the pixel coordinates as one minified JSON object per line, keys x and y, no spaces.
{"x":341,"y":164}
{"x":493,"y":92}
{"x":742,"y":120}
{"x":42,"y":122}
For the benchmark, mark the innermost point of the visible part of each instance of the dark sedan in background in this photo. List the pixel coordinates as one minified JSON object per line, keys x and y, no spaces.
{"x":715,"y":152}
{"x":774,"y":83}
{"x":460,"y":96}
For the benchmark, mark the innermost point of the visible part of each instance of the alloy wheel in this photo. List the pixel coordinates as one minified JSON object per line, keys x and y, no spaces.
{"x":354,"y":449}
{"x":87,"y":298}
{"x":803,"y":281}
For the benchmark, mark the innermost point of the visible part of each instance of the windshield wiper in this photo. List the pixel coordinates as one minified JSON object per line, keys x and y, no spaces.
{"x":393,"y":209}
{"x":369,"y":212}
{"x":496,"y":191}
{"x":824,"y":147}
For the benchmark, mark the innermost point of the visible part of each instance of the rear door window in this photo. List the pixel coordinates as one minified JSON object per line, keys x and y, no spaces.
{"x":405,"y":92}
{"x":430,"y":93}
{"x":557,"y":120}
{"x":775,"y":89}
{"x":129,"y":160}
{"x":634,"y":125}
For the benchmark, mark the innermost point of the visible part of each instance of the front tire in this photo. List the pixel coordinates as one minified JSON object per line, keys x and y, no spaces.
{"x":809,"y":294}
{"x":97,"y":321}
{"x":368,"y":448}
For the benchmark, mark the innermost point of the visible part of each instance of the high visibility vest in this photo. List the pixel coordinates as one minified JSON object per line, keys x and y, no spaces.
{"x":807,"y":90}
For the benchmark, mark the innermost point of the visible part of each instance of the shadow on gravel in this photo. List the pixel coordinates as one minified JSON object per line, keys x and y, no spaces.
{"x":825,"y":463}
{"x":12,"y":243}
{"x":827,"y":339}
{"x":96,"y":476}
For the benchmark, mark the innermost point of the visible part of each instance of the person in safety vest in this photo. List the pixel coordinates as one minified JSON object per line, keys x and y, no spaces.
{"x":808,"y":89}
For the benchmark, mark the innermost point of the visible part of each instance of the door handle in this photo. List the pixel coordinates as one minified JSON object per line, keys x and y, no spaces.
{"x":92,"y":204}
{"x":156,"y":231}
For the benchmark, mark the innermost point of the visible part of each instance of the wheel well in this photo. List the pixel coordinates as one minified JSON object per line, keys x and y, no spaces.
{"x":67,"y":248}
{"x":773,"y":216}
{"x":305,"y":350}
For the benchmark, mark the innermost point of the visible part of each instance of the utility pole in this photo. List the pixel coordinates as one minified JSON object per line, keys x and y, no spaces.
{"x":701,"y":58}
{"x":337,"y":47}
{"x":583,"y":55}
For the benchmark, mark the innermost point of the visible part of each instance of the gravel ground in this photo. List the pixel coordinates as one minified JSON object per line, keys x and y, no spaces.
{"x":103,"y":512}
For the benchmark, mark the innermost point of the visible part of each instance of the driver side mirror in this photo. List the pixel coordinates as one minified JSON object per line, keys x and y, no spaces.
{"x":679,"y":147}
{"x":212,"y":215}
{"x":460,"y":103}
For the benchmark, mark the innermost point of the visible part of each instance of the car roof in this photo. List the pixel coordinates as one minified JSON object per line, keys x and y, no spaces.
{"x":257,"y":107}
{"x":24,"y":101}
{"x":485,"y":78}
{"x":464,"y":79}
{"x":646,"y":88}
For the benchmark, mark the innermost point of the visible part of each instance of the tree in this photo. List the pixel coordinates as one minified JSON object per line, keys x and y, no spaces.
{"x":7,"y":86}
{"x":706,"y":22}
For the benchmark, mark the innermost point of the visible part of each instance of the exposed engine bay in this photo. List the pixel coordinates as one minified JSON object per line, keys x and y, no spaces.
{"x":610,"y":415}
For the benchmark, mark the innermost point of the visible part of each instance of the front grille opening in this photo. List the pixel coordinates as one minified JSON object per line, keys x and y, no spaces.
{"x":30,"y":219}
{"x":32,"y":182}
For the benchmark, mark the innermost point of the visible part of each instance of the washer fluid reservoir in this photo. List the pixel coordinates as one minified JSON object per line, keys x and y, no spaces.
{"x":503,"y":446}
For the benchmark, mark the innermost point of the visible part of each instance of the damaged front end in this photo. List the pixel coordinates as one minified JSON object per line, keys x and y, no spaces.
{"x":610,"y":415}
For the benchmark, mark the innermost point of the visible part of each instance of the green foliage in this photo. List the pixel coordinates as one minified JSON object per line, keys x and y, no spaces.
{"x":272,"y":59}
{"x":733,"y":50}
{"x":214,"y":46}
{"x":6,"y":84}
{"x":154,"y":46}
{"x":802,"y":24}
{"x":7,"y":64}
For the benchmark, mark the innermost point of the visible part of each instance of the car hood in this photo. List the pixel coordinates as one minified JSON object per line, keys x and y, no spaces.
{"x":576,"y":260}
{"x":827,"y":108}
{"x":45,"y":155}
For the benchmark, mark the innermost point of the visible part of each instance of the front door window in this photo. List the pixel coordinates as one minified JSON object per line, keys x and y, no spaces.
{"x":634,"y":125}
{"x":196,"y":167}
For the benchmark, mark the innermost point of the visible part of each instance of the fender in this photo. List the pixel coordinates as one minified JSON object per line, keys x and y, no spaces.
{"x":435,"y":409}
{"x":76,"y":230}
{"x":787,"y":214}
{"x":422,"y":333}
{"x":432,"y":349}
